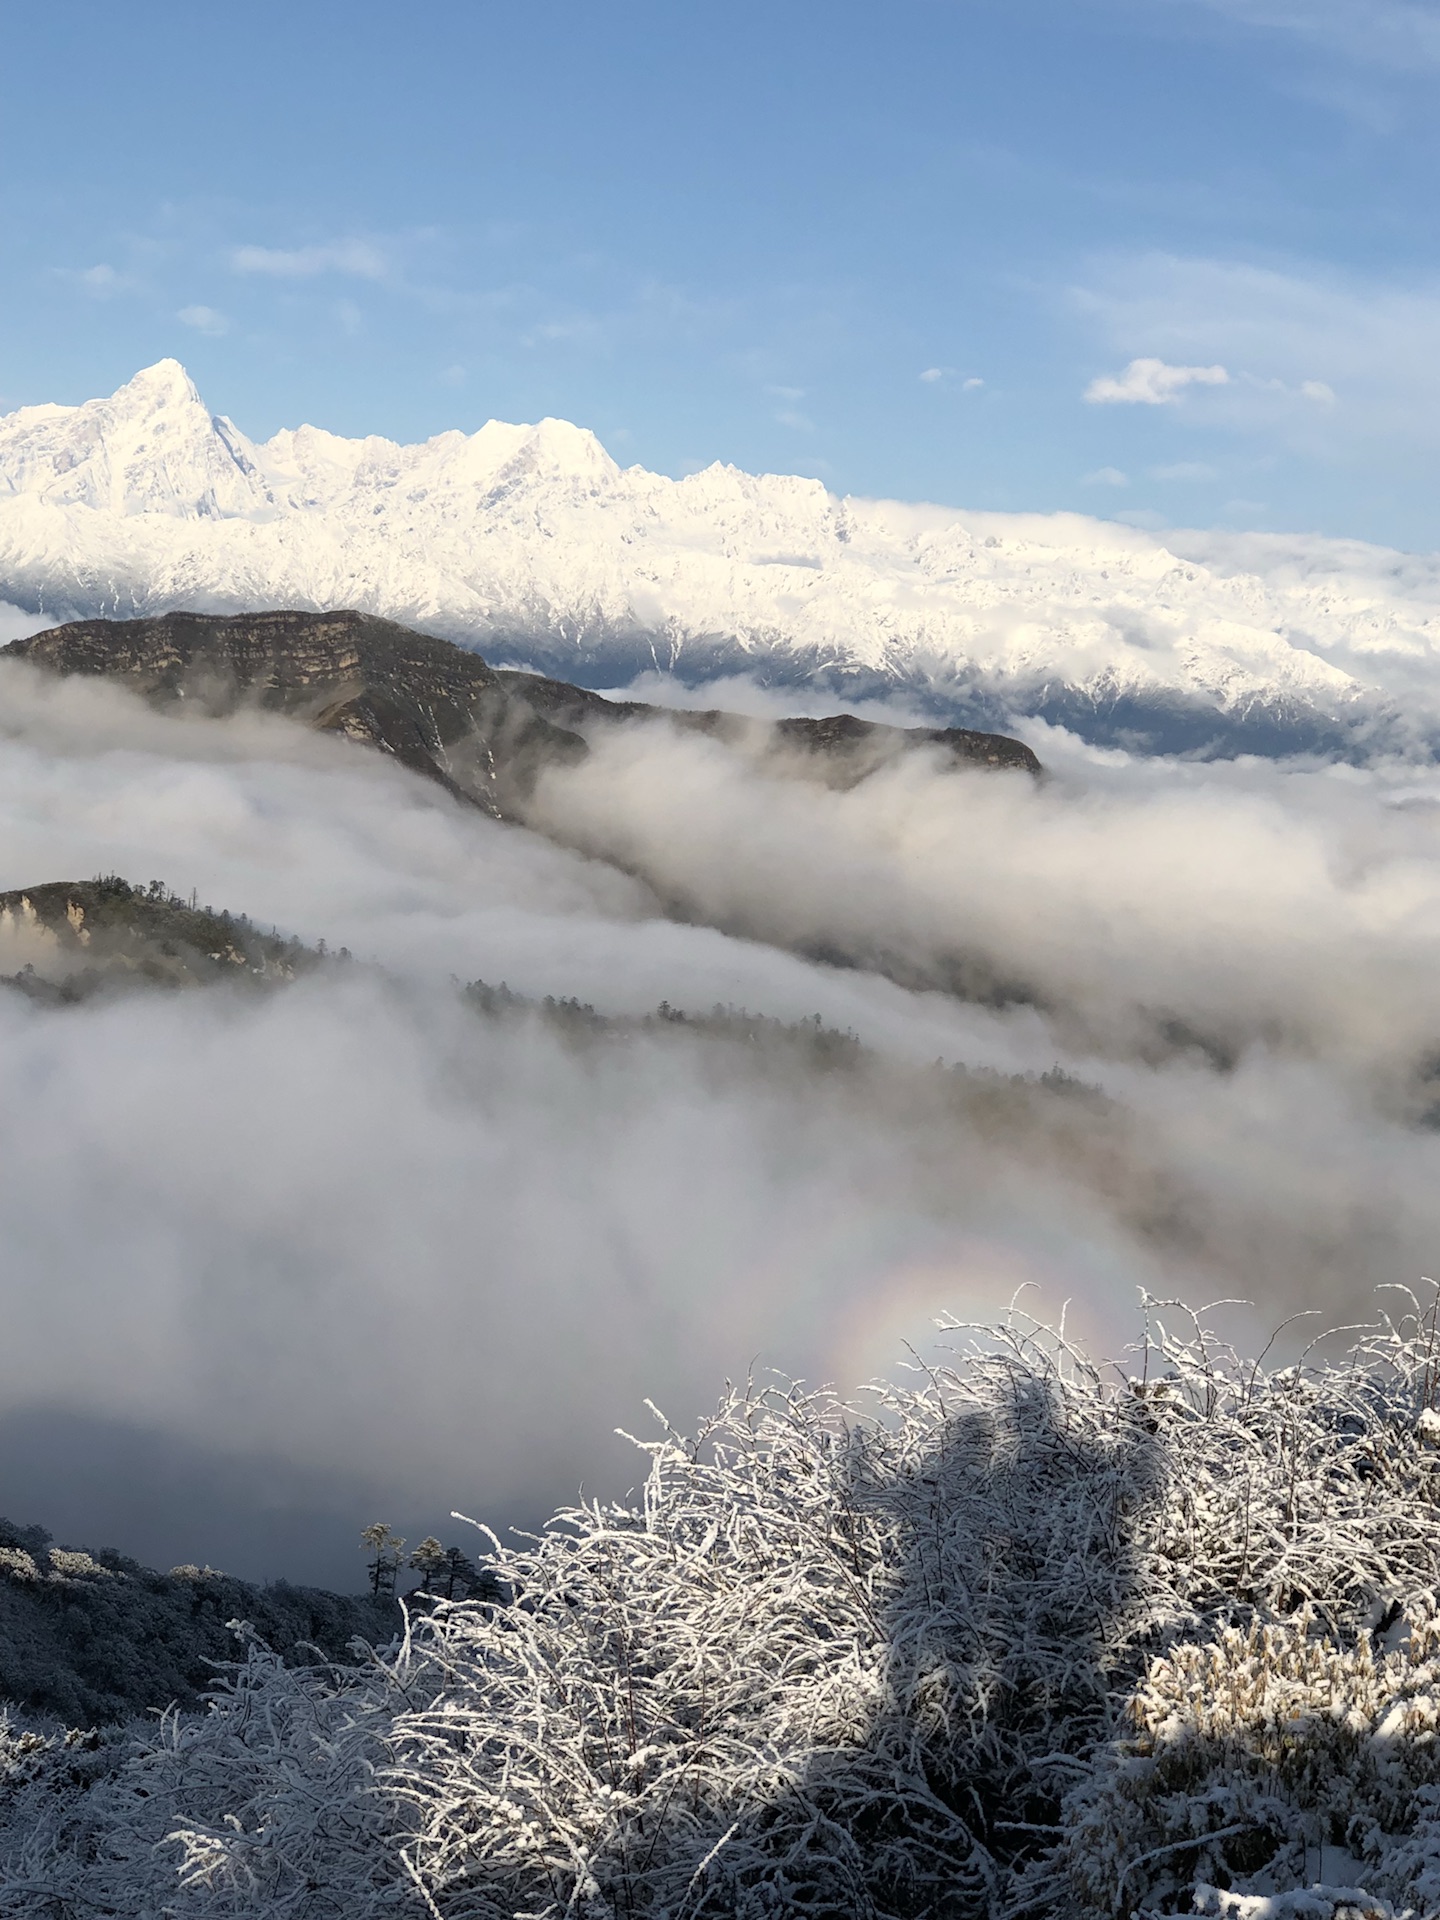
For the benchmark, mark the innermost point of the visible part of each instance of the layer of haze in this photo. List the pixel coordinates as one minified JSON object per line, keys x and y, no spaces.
{"x":277,"y":1265}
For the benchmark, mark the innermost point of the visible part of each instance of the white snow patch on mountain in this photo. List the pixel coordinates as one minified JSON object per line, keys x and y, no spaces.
{"x":532,"y":544}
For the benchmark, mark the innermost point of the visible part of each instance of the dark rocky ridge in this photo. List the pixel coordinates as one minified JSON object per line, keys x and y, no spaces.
{"x":841,"y":748}
{"x":437,"y":708}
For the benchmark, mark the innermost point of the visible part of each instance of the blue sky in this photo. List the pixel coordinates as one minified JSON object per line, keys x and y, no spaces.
{"x":1168,"y":259}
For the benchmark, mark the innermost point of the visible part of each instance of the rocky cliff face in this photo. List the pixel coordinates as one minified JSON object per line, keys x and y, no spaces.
{"x":438,"y":708}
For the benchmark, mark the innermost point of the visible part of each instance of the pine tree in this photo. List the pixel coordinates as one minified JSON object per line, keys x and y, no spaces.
{"x":427,"y":1559}
{"x":457,"y":1570}
{"x":384,"y":1547}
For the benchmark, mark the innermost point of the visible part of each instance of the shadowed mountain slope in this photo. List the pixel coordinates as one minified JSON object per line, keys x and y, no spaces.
{"x":435,"y":707}
{"x":841,"y":748}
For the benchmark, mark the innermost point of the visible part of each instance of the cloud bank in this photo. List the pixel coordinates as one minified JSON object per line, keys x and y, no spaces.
{"x":353,"y":1249}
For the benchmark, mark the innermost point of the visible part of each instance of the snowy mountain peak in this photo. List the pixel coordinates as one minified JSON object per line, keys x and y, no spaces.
{"x":531,"y":543}
{"x":150,"y":447}
{"x":165,"y":384}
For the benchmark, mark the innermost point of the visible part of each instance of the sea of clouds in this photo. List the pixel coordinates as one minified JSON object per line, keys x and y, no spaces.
{"x":278,"y":1265}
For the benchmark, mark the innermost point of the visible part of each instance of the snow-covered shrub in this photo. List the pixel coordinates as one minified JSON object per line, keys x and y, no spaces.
{"x":865,"y":1663}
{"x":1248,"y":1759}
{"x":1024,"y":1638}
{"x":825,"y":1666}
{"x":263,"y":1805}
{"x":66,"y":1565}
{"x":1277,"y":1743}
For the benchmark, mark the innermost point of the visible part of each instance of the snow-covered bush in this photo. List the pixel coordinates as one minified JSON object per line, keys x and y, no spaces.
{"x":1253,"y":1758}
{"x":1026,"y":1637}
{"x":264,"y":1805}
{"x":76,"y":1566}
{"x":824,"y":1667}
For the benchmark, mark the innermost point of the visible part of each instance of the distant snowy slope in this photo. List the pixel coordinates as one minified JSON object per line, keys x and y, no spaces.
{"x":531,"y":544}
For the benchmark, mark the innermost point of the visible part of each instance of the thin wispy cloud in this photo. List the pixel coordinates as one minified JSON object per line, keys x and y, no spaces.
{"x":1378,"y":33}
{"x":1148,"y":382}
{"x":358,"y":258}
{"x":578,"y":329}
{"x":790,"y":414}
{"x":943,"y":376}
{"x":98,"y":282}
{"x":204,"y":320}
{"x":1107,"y":477}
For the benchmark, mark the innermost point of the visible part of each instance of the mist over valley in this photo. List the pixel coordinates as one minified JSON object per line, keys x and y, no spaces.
{"x":1132,"y":1024}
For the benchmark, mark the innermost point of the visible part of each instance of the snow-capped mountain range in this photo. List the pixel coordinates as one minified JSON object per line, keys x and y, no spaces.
{"x":533,"y":545}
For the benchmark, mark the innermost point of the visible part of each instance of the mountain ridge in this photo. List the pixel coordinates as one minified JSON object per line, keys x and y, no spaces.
{"x":532,"y":545}
{"x":437,"y":708}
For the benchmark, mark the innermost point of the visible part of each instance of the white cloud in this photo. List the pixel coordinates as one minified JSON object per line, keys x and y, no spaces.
{"x":1107,"y":477}
{"x":934,"y":376}
{"x":798,"y":422}
{"x":1327,"y":358}
{"x":1151,"y":383}
{"x":359,"y":258}
{"x":204,"y":320}
{"x":1185,"y":470}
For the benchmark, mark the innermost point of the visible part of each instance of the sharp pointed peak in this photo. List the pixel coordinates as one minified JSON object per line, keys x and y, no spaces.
{"x":165,"y":380}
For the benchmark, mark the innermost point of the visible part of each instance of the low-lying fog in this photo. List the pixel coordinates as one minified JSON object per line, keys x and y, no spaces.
{"x":279,"y":1265}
